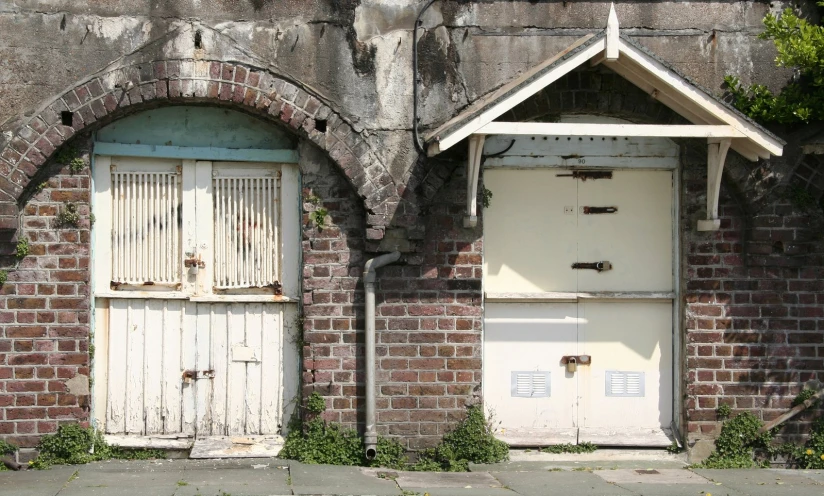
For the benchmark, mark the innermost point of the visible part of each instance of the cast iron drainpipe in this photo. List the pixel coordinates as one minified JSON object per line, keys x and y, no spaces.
{"x":370,"y":437}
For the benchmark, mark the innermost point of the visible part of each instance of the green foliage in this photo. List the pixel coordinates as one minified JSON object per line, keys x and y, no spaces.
{"x":800,"y":45}
{"x":314,"y":200}
{"x":723,"y":412}
{"x":65,"y":155}
{"x":315,"y":403}
{"x":486,"y":197}
{"x":68,"y":215}
{"x":801,"y":198}
{"x":322,"y":443}
{"x":737,"y":443}
{"x":7,"y":448}
{"x":804,"y":396}
{"x":471,"y":442}
{"x":390,"y":454}
{"x":674,"y":448}
{"x":584,"y":447}
{"x":22,"y":248}
{"x":76,"y":165}
{"x":318,"y":217}
{"x":812,"y":455}
{"x":75,"y":445}
{"x":4,"y":276}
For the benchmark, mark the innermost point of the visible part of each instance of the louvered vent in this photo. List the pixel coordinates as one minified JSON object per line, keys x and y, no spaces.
{"x":629,"y":384}
{"x":146,"y":244}
{"x":530,"y":384}
{"x":246,"y":228}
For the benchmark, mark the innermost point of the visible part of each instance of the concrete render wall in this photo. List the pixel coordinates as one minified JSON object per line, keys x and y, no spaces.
{"x":752,"y":292}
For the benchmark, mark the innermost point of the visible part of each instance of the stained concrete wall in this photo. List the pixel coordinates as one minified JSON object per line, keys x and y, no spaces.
{"x":357,"y":53}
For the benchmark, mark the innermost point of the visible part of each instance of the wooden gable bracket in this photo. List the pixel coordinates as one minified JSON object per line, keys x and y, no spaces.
{"x":476,"y":151}
{"x":716,"y":155}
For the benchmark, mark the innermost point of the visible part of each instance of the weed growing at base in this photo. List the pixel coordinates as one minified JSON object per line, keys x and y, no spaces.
{"x":76,"y":445}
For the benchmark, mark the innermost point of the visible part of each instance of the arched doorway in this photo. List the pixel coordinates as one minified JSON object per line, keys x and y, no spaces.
{"x":195,"y":277}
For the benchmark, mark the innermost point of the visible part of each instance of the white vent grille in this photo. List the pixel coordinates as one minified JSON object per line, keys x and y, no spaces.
{"x":246,"y":228}
{"x":629,"y":384}
{"x":530,"y":384}
{"x":146,"y":244}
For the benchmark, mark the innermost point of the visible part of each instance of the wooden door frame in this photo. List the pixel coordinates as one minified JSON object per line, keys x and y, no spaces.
{"x":678,"y":320}
{"x":99,"y":304}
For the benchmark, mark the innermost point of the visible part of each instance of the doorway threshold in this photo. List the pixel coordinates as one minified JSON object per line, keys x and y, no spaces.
{"x":236,"y":447}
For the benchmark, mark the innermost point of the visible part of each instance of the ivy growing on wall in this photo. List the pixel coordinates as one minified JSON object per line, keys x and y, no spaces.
{"x":800,"y":45}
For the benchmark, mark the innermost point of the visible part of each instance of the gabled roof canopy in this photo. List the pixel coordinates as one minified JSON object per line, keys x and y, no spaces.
{"x":713,"y":117}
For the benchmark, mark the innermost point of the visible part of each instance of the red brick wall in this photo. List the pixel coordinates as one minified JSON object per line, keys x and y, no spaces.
{"x":428,"y":316}
{"x":44,"y":315}
{"x":754,"y":309}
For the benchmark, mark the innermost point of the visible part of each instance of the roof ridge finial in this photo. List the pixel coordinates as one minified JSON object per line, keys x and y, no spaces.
{"x":612,"y":34}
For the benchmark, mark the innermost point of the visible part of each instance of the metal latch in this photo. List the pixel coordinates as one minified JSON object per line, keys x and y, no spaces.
{"x":584,"y":175}
{"x":598,"y":210}
{"x":599,"y":266}
{"x":191,"y":375}
{"x":572,"y":361}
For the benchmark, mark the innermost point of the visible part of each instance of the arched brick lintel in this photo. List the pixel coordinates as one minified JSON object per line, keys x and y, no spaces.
{"x":121,"y":91}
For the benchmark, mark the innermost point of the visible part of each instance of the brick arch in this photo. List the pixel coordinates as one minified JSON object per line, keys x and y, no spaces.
{"x":118,"y":92}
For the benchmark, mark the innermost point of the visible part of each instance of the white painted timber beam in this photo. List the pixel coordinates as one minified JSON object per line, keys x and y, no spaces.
{"x":716,"y":155}
{"x":628,"y":130}
{"x":613,"y":48}
{"x":476,"y":150}
{"x":689,"y":92}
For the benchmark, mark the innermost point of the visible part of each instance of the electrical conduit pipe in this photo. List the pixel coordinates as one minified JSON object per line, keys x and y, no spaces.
{"x":370,"y":437}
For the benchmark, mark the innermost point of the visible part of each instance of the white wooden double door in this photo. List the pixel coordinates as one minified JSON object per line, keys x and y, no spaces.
{"x":195,"y":272}
{"x":539,"y":310}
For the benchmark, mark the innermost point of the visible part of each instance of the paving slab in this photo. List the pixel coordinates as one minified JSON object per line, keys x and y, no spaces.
{"x":652,"y":476}
{"x":331,"y":479}
{"x":35,"y":482}
{"x":574,"y":483}
{"x":457,"y":491}
{"x":129,"y":481}
{"x":764,"y":482}
{"x":412,"y":480}
{"x":243,"y":481}
{"x":816,"y":475}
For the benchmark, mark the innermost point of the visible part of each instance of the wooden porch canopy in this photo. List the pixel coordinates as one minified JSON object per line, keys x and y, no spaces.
{"x":712,"y":119}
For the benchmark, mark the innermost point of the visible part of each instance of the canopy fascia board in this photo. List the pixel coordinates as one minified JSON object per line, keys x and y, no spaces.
{"x":628,"y":130}
{"x":438,"y":145}
{"x":694,"y":95}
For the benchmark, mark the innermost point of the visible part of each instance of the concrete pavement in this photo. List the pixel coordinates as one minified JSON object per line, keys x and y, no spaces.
{"x":528,"y":474}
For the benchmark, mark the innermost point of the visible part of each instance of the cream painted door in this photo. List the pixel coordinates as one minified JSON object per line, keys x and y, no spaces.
{"x":539,"y":309}
{"x":195,"y":286}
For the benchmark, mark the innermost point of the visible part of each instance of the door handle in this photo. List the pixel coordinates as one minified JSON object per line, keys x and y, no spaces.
{"x":598,"y":266}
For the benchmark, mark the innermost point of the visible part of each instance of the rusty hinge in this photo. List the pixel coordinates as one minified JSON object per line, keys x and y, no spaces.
{"x":584,"y":175}
{"x":194,"y":262}
{"x":599,"y":266}
{"x":598,"y":210}
{"x":192,"y":375}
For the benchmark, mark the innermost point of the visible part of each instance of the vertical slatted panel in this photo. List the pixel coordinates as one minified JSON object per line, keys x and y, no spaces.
{"x":246,"y":217}
{"x":135,"y":367}
{"x":221,"y":356}
{"x":145,"y":231}
{"x":254,"y":329}
{"x":172,"y":366}
{"x":189,"y":358}
{"x":270,"y":365}
{"x":118,"y":358}
{"x":203,"y":391}
{"x":236,"y":391}
{"x":153,"y":360}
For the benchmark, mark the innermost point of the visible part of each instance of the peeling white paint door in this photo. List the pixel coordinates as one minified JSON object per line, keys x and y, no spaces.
{"x":539,"y":309}
{"x":195,"y":286}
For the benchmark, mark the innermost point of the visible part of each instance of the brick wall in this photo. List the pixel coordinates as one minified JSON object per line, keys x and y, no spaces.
{"x":44,"y":315}
{"x":428,"y":316}
{"x":754,"y":308}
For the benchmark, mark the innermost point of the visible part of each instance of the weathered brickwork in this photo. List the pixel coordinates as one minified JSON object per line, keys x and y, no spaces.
{"x":754,"y":309}
{"x":428,"y":315}
{"x":44,"y":362}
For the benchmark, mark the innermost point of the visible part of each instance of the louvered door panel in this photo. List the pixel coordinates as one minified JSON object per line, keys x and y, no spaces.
{"x":145,"y":218}
{"x":246,"y":227}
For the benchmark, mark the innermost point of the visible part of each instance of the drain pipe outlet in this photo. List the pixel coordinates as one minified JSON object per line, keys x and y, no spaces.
{"x":370,"y":437}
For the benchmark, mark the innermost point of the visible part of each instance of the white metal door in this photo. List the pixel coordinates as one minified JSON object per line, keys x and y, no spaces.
{"x":540,"y":223}
{"x":195,"y":285}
